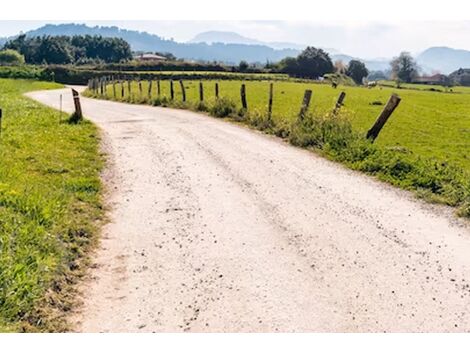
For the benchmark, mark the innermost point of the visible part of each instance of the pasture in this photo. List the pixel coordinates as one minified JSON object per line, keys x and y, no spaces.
{"x":430,"y":124}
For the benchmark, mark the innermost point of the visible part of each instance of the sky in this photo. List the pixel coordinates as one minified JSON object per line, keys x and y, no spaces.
{"x":366,"y":39}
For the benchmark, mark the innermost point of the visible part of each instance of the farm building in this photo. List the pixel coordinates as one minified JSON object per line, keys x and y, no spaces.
{"x":150,"y":57}
{"x":434,"y":79}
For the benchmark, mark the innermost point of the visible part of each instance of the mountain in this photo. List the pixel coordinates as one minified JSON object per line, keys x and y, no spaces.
{"x":143,"y":41}
{"x":235,"y":38}
{"x":224,"y":37}
{"x":443,"y":59}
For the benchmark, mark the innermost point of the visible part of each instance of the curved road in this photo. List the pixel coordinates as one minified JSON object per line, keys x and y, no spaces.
{"x":217,"y":228}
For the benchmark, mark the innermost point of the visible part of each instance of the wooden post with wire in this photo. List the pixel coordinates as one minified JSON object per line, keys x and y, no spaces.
{"x":305,"y":103}
{"x":392,"y":104}
{"x":201,"y":92}
{"x":183,"y":91}
{"x":270,"y":102}
{"x":243,"y":96}
{"x":339,"y":102}
{"x":78,"y":108}
{"x":150,"y":89}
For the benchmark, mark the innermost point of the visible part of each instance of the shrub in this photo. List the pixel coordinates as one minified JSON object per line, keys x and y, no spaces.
{"x":223,"y":107}
{"x":11,"y":57}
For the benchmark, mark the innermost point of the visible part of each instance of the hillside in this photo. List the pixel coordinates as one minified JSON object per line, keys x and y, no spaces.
{"x":444,"y":59}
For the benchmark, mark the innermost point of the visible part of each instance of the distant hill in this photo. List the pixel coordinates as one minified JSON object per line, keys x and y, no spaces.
{"x":235,"y":38}
{"x":444,"y":59}
{"x":143,"y":41}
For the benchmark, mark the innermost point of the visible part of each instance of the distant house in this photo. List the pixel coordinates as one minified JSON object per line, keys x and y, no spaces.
{"x":150,"y":57}
{"x":438,"y":79}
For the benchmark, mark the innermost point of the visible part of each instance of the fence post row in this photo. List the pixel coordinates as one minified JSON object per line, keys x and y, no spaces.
{"x":339,"y":102}
{"x":243,"y":96}
{"x":76,"y":102}
{"x":270,"y":103}
{"x":201,"y":92}
{"x":305,"y":103}
{"x":392,"y":104}
{"x":183,"y":91}
{"x":172,"y":91}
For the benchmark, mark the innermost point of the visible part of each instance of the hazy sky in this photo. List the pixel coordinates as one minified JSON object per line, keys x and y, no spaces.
{"x":357,"y":38}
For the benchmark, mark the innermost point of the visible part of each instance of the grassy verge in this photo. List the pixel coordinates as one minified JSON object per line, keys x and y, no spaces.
{"x":427,"y":172}
{"x":49,"y":207}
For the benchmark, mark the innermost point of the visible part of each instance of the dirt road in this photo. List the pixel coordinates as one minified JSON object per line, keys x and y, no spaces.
{"x":218,"y":228}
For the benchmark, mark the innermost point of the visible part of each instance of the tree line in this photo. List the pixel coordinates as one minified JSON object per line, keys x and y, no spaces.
{"x":70,"y":50}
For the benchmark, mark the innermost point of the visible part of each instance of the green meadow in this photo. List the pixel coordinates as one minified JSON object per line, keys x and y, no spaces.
{"x":49,"y":207}
{"x":427,"y":123}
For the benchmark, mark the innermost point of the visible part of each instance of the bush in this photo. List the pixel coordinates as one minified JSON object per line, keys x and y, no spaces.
{"x":11,"y":57}
{"x":223,"y":107}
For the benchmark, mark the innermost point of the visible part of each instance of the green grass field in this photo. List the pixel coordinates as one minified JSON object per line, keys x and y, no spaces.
{"x":430,"y":124}
{"x":49,"y":204}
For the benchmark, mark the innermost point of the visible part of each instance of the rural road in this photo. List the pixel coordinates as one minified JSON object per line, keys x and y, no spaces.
{"x":216,"y":228}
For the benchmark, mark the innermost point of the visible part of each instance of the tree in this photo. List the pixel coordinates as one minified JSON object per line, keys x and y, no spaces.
{"x":404,"y":68}
{"x":243,"y":66}
{"x":340,"y":67}
{"x":357,"y":71}
{"x":314,"y":63}
{"x":289,"y":65}
{"x":11,"y":57}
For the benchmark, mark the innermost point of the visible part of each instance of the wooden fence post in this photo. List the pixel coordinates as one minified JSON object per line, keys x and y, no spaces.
{"x":114,"y":89}
{"x":172,"y":91}
{"x":270,"y":103}
{"x":76,"y":102}
{"x":216,"y":90}
{"x":129,"y":89}
{"x":150,"y":89}
{"x":392,"y":104}
{"x":305,"y":103}
{"x":122,"y":90}
{"x":201,"y":92}
{"x":243,"y":96}
{"x":101,"y":86}
{"x":140,"y":88}
{"x":158,"y":88}
{"x":183,"y":91}
{"x":339,"y":102}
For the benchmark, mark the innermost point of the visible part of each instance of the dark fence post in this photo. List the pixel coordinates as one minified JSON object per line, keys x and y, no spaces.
{"x":305,"y":103}
{"x":122,"y":90}
{"x":392,"y":104}
{"x":158,"y":88}
{"x":183,"y":91}
{"x":140,"y":88}
{"x":129,"y":87}
{"x":243,"y":96}
{"x":78,"y":107}
{"x":270,"y":103}
{"x":201,"y":92}
{"x":216,"y":90}
{"x":114,"y":89}
{"x":172,"y":91}
{"x":339,"y":102}
{"x":150,"y":89}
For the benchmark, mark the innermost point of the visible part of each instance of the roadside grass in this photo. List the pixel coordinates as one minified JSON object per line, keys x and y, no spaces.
{"x":50,"y":206}
{"x":424,"y":147}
